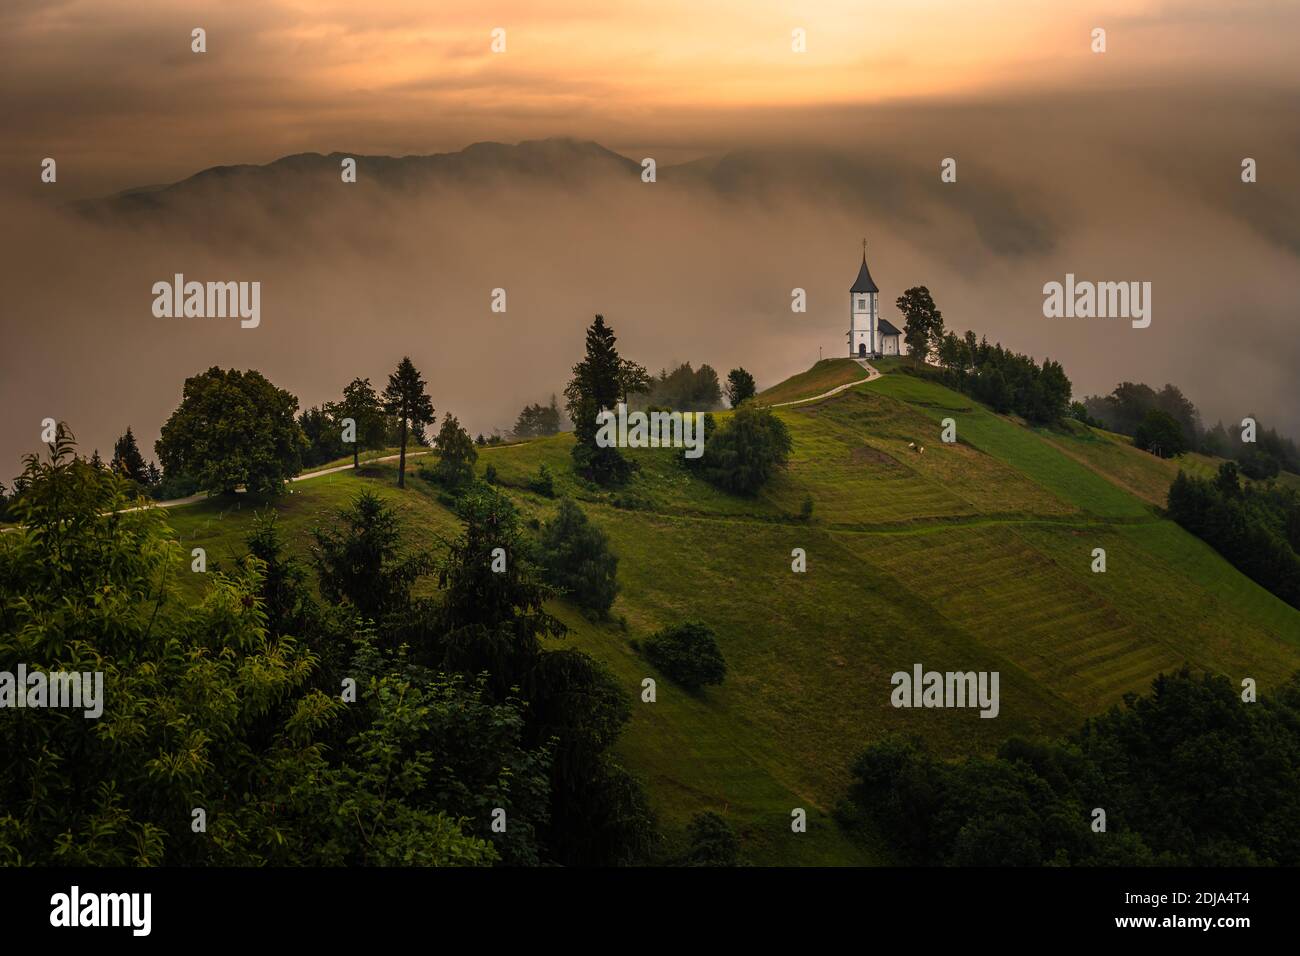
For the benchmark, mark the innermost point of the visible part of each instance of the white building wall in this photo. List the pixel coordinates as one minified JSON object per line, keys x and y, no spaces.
{"x":863,"y":322}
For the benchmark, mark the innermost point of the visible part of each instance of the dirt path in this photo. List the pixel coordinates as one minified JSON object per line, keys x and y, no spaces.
{"x":872,"y":375}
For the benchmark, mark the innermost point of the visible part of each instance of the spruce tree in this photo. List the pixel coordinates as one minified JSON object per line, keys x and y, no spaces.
{"x":127,"y":460}
{"x":406,"y":398}
{"x":597,"y":386}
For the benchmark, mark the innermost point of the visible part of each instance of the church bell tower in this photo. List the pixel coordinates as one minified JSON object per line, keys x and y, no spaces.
{"x":864,"y":317}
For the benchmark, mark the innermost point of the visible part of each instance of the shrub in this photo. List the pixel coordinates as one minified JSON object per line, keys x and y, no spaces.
{"x":806,"y":509}
{"x":542,"y":483}
{"x":713,"y":842}
{"x":456,"y":454}
{"x":742,"y":455}
{"x":688,"y":653}
{"x":575,"y":557}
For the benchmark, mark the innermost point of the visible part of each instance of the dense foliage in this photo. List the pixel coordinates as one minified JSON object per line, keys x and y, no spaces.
{"x":1005,"y":380}
{"x":233,"y":428}
{"x":456,"y":454}
{"x":922,"y":323}
{"x":682,"y":389}
{"x":740,"y":387}
{"x":576,"y":559}
{"x":304,"y":734}
{"x":1160,"y":434}
{"x":1188,"y":775}
{"x":1125,"y":408}
{"x":688,"y":653}
{"x":742,"y":455}
{"x":537,"y":421}
{"x":216,"y":744}
{"x":1256,"y":528}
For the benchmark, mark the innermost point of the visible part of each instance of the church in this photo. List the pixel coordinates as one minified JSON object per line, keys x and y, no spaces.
{"x":870,"y":335}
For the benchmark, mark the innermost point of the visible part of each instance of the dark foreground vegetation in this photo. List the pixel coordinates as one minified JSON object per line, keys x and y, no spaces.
{"x":1189,"y":775}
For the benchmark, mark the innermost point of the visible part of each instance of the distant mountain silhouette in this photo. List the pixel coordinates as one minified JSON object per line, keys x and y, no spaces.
{"x":881,"y":187}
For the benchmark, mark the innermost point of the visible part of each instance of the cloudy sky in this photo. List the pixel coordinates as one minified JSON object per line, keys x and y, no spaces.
{"x":1121,"y":166}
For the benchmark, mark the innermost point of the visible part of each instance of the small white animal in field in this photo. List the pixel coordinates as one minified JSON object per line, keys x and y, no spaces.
{"x":911,"y":444}
{"x":921,"y":451}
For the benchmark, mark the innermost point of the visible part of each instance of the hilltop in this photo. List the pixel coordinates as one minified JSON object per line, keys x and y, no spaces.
{"x":971,"y":556}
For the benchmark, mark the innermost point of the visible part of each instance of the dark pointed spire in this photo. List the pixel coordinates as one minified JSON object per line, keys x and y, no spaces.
{"x":864,"y":281}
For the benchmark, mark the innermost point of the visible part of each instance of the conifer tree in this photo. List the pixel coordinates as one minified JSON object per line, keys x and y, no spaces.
{"x":406,"y":398}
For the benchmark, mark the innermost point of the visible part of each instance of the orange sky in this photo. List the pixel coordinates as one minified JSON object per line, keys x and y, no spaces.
{"x":112,"y":88}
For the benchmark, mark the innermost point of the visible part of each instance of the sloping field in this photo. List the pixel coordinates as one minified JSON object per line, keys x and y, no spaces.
{"x":973,"y":556}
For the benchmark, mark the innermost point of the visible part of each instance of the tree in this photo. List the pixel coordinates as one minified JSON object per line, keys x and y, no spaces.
{"x":324,"y":435}
{"x":361,"y":559}
{"x":536,"y":421}
{"x":406,"y":399}
{"x":233,"y":428}
{"x":742,"y":455}
{"x":1049,"y":396}
{"x":576,"y":559}
{"x":494,"y":619}
{"x":740,"y":386}
{"x":201,"y":706}
{"x":596,"y":386}
{"x":1227,"y":481}
{"x":1259,"y":465}
{"x":923,"y":322}
{"x":456,"y":454}
{"x":688,"y":653}
{"x":128,"y":462}
{"x":632,"y":378}
{"x":1160,"y":434}
{"x":950,"y":348}
{"x":685,"y":389}
{"x":362,"y":405}
{"x":712,"y":841}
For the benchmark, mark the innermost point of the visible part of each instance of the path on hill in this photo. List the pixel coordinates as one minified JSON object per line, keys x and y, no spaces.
{"x":194,"y":499}
{"x":872,"y":375}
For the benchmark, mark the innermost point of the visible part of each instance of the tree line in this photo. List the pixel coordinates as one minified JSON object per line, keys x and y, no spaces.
{"x":1255,"y":527}
{"x":1165,"y":421}
{"x":1006,"y":380}
{"x":1188,"y":775}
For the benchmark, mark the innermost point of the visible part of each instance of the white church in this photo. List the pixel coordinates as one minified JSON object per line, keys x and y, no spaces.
{"x":870,"y":335}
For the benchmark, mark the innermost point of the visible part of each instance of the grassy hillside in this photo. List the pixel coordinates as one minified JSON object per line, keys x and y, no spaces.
{"x":972,"y":556}
{"x":821,"y":378}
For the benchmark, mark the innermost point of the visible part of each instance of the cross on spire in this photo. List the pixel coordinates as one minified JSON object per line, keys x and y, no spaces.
{"x":864,"y":248}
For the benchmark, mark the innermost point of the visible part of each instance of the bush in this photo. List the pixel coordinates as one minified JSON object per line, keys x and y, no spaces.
{"x":542,"y":483}
{"x":575,"y":557}
{"x":742,"y":455}
{"x":1259,"y":465}
{"x":806,"y":509}
{"x":456,"y":455}
{"x":713,"y":842}
{"x":688,"y":653}
{"x":490,"y":473}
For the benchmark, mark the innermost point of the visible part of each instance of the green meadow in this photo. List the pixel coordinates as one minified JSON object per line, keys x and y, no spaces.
{"x":968,"y":556}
